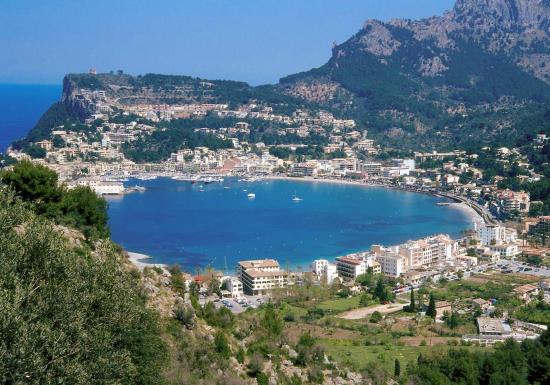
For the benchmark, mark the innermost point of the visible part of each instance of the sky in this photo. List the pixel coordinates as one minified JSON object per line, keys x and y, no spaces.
{"x":258,"y":41}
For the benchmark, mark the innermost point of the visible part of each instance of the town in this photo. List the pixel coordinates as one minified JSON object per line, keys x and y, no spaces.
{"x":490,"y":285}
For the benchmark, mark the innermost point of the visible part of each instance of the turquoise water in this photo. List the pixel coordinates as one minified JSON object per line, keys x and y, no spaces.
{"x":174,"y":222}
{"x":21,"y":105}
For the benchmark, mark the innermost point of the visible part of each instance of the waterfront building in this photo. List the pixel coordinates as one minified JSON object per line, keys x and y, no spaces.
{"x":259,"y":277}
{"x":98,"y":186}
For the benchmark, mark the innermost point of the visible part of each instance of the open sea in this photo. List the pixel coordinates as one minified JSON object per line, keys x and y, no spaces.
{"x":21,"y":105}
{"x":174,"y":222}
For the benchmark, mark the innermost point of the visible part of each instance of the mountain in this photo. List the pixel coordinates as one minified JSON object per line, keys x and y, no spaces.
{"x":405,"y":78}
{"x":477,"y":75}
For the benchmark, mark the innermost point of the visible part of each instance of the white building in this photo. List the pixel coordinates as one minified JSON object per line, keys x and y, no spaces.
{"x":495,"y":235}
{"x":350,"y":267}
{"x":99,"y":187}
{"x":261,"y":276}
{"x":507,"y":250}
{"x":428,"y":251}
{"x":235,"y":287}
{"x":391,"y":263}
{"x":323,"y":269}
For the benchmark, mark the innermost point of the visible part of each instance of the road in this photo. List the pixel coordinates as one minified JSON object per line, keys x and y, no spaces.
{"x":366,"y":311}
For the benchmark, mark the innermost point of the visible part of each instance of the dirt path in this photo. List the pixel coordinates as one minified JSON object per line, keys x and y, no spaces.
{"x":366,"y":311}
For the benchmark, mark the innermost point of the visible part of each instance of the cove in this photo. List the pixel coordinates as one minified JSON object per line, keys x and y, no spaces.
{"x":177,"y":222}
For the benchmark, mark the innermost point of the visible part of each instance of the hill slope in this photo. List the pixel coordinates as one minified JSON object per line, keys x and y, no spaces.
{"x":406,"y":76}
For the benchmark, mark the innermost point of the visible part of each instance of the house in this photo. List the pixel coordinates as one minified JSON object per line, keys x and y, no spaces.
{"x":493,"y":327}
{"x":481,"y":304}
{"x":442,"y":308}
{"x":526,"y":292}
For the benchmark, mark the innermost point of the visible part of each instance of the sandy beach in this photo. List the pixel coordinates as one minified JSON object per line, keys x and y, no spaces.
{"x":138,"y":260}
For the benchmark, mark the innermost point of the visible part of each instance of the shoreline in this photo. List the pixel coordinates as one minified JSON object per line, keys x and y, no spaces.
{"x":140,"y":260}
{"x":472,"y":214}
{"x":137,"y":259}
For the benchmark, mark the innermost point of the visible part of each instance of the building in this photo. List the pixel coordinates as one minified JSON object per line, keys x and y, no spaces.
{"x":442,"y":308}
{"x":526,"y":292}
{"x":304,"y":169}
{"x":429,"y":251}
{"x":495,"y":235}
{"x":391,"y":263}
{"x":493,"y":327}
{"x":323,"y":269}
{"x":259,"y":277}
{"x":99,"y":187}
{"x":350,"y":267}
{"x":371,"y":169}
{"x":508,"y":250}
{"x":512,"y":202}
{"x":235,"y":287}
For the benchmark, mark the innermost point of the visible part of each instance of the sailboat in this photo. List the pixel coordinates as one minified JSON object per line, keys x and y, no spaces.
{"x":296,"y":198}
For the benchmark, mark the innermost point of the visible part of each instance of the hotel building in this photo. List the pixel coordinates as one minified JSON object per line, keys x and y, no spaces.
{"x":261,"y":276}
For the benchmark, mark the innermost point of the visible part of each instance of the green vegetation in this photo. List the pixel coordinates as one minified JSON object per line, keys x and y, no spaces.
{"x":510,"y":363}
{"x":79,"y":208}
{"x":69,"y":315}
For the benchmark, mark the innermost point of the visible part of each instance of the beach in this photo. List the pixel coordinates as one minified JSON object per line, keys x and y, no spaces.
{"x":138,"y":259}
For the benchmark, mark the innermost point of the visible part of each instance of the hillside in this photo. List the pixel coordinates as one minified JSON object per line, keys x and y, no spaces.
{"x":477,"y":75}
{"x":407,"y":79}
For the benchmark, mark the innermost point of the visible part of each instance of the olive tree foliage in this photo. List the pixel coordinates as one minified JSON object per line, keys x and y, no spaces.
{"x":68,"y":315}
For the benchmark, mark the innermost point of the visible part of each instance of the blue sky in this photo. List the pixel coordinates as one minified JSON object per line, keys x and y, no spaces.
{"x":257,"y":41}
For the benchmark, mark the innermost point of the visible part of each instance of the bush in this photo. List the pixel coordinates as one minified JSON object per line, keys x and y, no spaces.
{"x":185,"y":315}
{"x":375,"y":317}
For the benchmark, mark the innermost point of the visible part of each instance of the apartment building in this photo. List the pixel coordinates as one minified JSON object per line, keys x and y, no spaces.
{"x":429,"y":251}
{"x":259,"y":277}
{"x":391,"y":263}
{"x":495,"y":235}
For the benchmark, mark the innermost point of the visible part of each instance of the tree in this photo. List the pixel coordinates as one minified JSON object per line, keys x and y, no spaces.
{"x":272,"y":322}
{"x":68,"y":314}
{"x":397,"y":368}
{"x":431,"y":312}
{"x":79,"y":208}
{"x":412,"y":305}
{"x":221,"y":344}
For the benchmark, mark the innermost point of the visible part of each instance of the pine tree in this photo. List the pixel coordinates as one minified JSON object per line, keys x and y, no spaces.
{"x":432,"y":312}
{"x":397,"y":369}
{"x":412,"y":306}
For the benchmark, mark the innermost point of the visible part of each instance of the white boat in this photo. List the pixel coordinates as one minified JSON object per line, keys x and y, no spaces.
{"x":251,"y":195}
{"x":296,"y":198}
{"x":226,"y":187}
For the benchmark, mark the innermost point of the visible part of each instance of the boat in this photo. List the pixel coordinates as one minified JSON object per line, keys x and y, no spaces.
{"x":296,"y":198}
{"x":226,"y":187}
{"x":251,"y":195}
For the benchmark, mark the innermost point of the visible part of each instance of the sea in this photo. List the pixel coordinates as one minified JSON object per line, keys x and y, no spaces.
{"x":176,"y":222}
{"x":216,"y":225}
{"x":21,"y":105}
